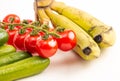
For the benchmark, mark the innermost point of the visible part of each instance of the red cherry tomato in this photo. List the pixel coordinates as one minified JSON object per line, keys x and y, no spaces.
{"x":46,"y":48}
{"x":30,"y":43}
{"x":18,"y":27}
{"x":19,"y":40}
{"x":67,"y":41}
{"x":11,"y":18}
{"x":11,"y":34}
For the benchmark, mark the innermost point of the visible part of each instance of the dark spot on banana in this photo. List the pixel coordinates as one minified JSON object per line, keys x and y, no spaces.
{"x":91,"y":29}
{"x":95,"y":26}
{"x":78,"y":46}
{"x":109,"y":30}
{"x":98,"y":38}
{"x":87,"y":50}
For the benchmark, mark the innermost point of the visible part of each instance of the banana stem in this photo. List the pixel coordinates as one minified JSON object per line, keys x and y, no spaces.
{"x":43,"y":3}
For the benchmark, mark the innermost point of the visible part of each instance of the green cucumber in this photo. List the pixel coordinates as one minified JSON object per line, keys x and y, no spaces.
{"x":3,"y":36}
{"x":6,"y":49}
{"x":13,"y":57}
{"x":23,"y":68}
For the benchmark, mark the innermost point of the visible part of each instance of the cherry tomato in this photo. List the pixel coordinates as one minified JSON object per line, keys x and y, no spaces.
{"x":19,"y":40}
{"x":11,"y":18}
{"x":30,"y":43}
{"x":67,"y":40}
{"x":11,"y":34}
{"x":46,"y":48}
{"x":5,"y":27}
{"x":18,"y":27}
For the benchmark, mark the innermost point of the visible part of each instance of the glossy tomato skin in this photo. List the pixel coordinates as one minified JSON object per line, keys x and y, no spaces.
{"x":11,"y":34}
{"x":18,"y":27}
{"x":67,"y":40}
{"x":30,"y":43}
{"x":46,"y":48}
{"x":19,"y":40}
{"x":7,"y":18}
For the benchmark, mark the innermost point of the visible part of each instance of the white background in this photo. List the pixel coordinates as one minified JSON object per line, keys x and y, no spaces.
{"x":67,"y":66}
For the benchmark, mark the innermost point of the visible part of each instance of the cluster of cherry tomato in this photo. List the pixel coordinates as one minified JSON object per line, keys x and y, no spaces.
{"x":42,"y":43}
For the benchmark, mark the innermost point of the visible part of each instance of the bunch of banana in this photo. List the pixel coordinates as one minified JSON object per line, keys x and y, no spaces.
{"x":103,"y":34}
{"x":91,"y":33}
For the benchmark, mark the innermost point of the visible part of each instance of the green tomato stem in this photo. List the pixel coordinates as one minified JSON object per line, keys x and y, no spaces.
{"x":44,"y":28}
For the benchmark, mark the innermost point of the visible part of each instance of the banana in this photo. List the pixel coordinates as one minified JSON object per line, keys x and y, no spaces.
{"x":86,"y":47}
{"x":103,"y":34}
{"x":42,"y":17}
{"x":38,"y":5}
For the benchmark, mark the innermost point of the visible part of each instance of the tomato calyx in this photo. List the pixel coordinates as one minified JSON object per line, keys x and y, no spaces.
{"x":27,"y":21}
{"x":11,"y":19}
{"x":21,"y":31}
{"x":60,"y":29}
{"x":45,"y":26}
{"x":11,"y":27}
{"x":34,"y":32}
{"x":36,"y":23}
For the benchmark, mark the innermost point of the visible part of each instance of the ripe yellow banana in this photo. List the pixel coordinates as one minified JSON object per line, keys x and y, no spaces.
{"x":40,"y":15}
{"x":86,"y":47}
{"x":104,"y":35}
{"x":43,"y":17}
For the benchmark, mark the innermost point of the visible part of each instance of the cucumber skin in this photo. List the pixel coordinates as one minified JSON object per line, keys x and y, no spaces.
{"x":6,"y":49}
{"x":3,"y":36}
{"x":24,"y":68}
{"x":13,"y":57}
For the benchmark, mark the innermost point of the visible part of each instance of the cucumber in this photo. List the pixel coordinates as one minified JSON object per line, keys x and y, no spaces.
{"x":3,"y":36}
{"x":23,"y":68}
{"x":6,"y":49}
{"x":13,"y":57}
